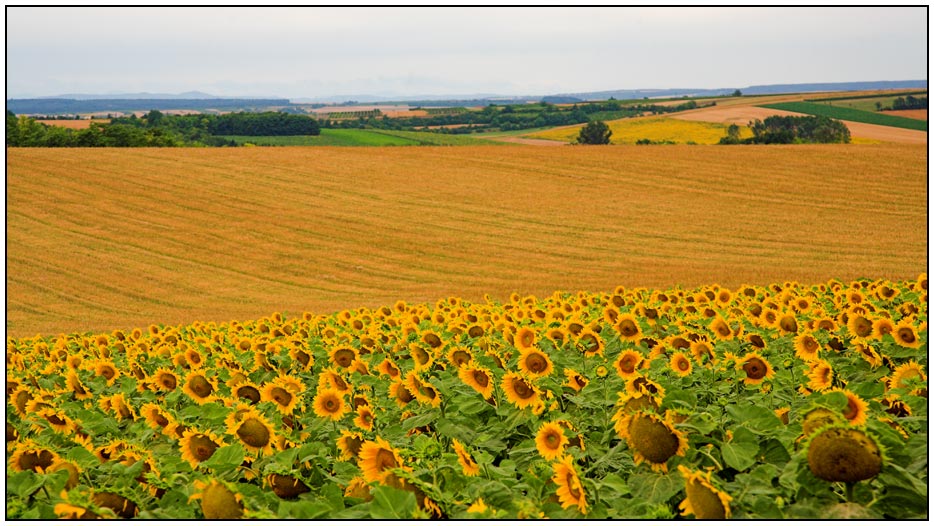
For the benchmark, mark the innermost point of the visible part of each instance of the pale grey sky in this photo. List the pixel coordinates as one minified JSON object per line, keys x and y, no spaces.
{"x":313,"y":52}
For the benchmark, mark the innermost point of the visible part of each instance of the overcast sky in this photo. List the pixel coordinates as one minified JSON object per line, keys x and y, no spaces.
{"x":312,"y":52}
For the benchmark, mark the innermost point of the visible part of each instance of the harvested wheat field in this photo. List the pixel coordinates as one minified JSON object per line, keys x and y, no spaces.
{"x":106,"y":238}
{"x":921,"y":115}
{"x":74,"y":124}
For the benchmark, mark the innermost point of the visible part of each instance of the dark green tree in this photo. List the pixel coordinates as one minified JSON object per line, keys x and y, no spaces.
{"x":596,"y":132}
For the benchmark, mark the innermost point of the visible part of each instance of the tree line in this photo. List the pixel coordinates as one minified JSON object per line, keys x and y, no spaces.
{"x":790,"y":130}
{"x":156,"y":129}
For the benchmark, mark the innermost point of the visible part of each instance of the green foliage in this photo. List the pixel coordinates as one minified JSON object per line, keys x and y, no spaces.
{"x":850,"y":114}
{"x":779,"y":129}
{"x":596,"y":132}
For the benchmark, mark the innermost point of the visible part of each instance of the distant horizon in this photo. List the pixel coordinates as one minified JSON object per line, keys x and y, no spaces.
{"x":199,"y":94}
{"x":317,"y":52}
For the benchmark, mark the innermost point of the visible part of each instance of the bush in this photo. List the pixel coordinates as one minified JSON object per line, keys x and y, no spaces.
{"x":596,"y":132}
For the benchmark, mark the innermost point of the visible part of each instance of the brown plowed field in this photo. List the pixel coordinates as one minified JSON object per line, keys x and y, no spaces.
{"x":104,"y":238}
{"x":740,"y":114}
{"x":921,"y":115}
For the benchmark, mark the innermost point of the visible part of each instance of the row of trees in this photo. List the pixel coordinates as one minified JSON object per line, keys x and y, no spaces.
{"x":158,"y":129}
{"x":910,"y":103}
{"x":790,"y":130}
{"x":268,"y":123}
{"x":514,"y":117}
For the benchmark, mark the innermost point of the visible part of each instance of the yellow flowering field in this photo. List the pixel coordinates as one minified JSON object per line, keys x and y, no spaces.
{"x":655,"y":129}
{"x":785,"y":400}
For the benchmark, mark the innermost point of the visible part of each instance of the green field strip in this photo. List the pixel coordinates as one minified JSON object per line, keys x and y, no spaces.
{"x":849,"y":114}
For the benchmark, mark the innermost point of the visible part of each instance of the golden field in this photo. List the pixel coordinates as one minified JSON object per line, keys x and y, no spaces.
{"x":106,"y":238}
{"x":656,"y":129}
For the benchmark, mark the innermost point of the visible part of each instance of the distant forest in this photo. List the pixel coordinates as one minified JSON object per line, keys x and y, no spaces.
{"x":159,"y":130}
{"x":49,"y":106}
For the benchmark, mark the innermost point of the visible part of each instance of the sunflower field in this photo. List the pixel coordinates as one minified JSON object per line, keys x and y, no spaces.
{"x":778,"y":401}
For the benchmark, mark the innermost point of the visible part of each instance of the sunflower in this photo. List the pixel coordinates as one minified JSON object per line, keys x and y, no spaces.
{"x":859,"y":326}
{"x":331,"y":379}
{"x":627,"y":326}
{"x":906,"y":335}
{"x":343,"y":356}
{"x":253,"y":430}
{"x":117,"y":405}
{"x":702,"y":352}
{"x":400,"y":393}
{"x":807,"y":347}
{"x":820,"y":376}
{"x":869,"y":355}
{"x":574,"y":379}
{"x":28,"y":455}
{"x":422,"y":390}
{"x":217,"y":500}
{"x":525,"y":338}
{"x":329,"y":403}
{"x":349,"y":444}
{"x":197,"y":447}
{"x":459,"y":357}
{"x":590,"y":343}
{"x":75,"y":386}
{"x":881,"y":327}
{"x":388,"y":368}
{"x":550,"y":440}
{"x":478,"y":507}
{"x":107,"y":370}
{"x":558,"y":336}
{"x":468,"y":465}
{"x":164,"y":380}
{"x":285,"y":400}
{"x":627,"y":364}
{"x":199,"y":388}
{"x":641,"y":384}
{"x":156,"y":417}
{"x":654,"y":439}
{"x":248,"y":391}
{"x":480,"y":379}
{"x":680,"y":364}
{"x":422,"y":357}
{"x":570,"y":490}
{"x":907,"y":375}
{"x":364,"y":418}
{"x":74,"y":472}
{"x":844,"y":454}
{"x":122,"y":506}
{"x":720,"y":329}
{"x":856,"y":407}
{"x":787,"y":323}
{"x":534,"y":363}
{"x":756,"y":368}
{"x":896,"y":407}
{"x":703,"y":501}
{"x":376,"y":458}
{"x":519,"y":390}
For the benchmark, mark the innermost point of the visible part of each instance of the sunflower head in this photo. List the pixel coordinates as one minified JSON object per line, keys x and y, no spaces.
{"x":197,"y":447}
{"x":480,"y":379}
{"x":468,"y":465}
{"x":654,"y":439}
{"x":520,"y":390}
{"x":755,"y":367}
{"x":286,"y":486}
{"x":534,"y":363}
{"x":218,"y":501}
{"x":570,"y":490}
{"x":550,"y":440}
{"x":329,"y":403}
{"x":843,"y":454}
{"x":253,"y":431}
{"x":704,"y":501}
{"x":376,"y":458}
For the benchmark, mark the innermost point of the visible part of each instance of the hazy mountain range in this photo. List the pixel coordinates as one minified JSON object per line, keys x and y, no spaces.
{"x":191,"y":99}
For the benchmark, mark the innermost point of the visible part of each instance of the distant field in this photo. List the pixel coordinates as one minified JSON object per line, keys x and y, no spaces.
{"x":910,"y":114}
{"x":862,"y":103}
{"x":353,"y":137}
{"x":74,"y":124}
{"x":850,"y":114}
{"x":656,"y":129}
{"x":104,"y":238}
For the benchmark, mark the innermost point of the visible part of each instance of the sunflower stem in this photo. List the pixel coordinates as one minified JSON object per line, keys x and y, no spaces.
{"x":849,"y":491}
